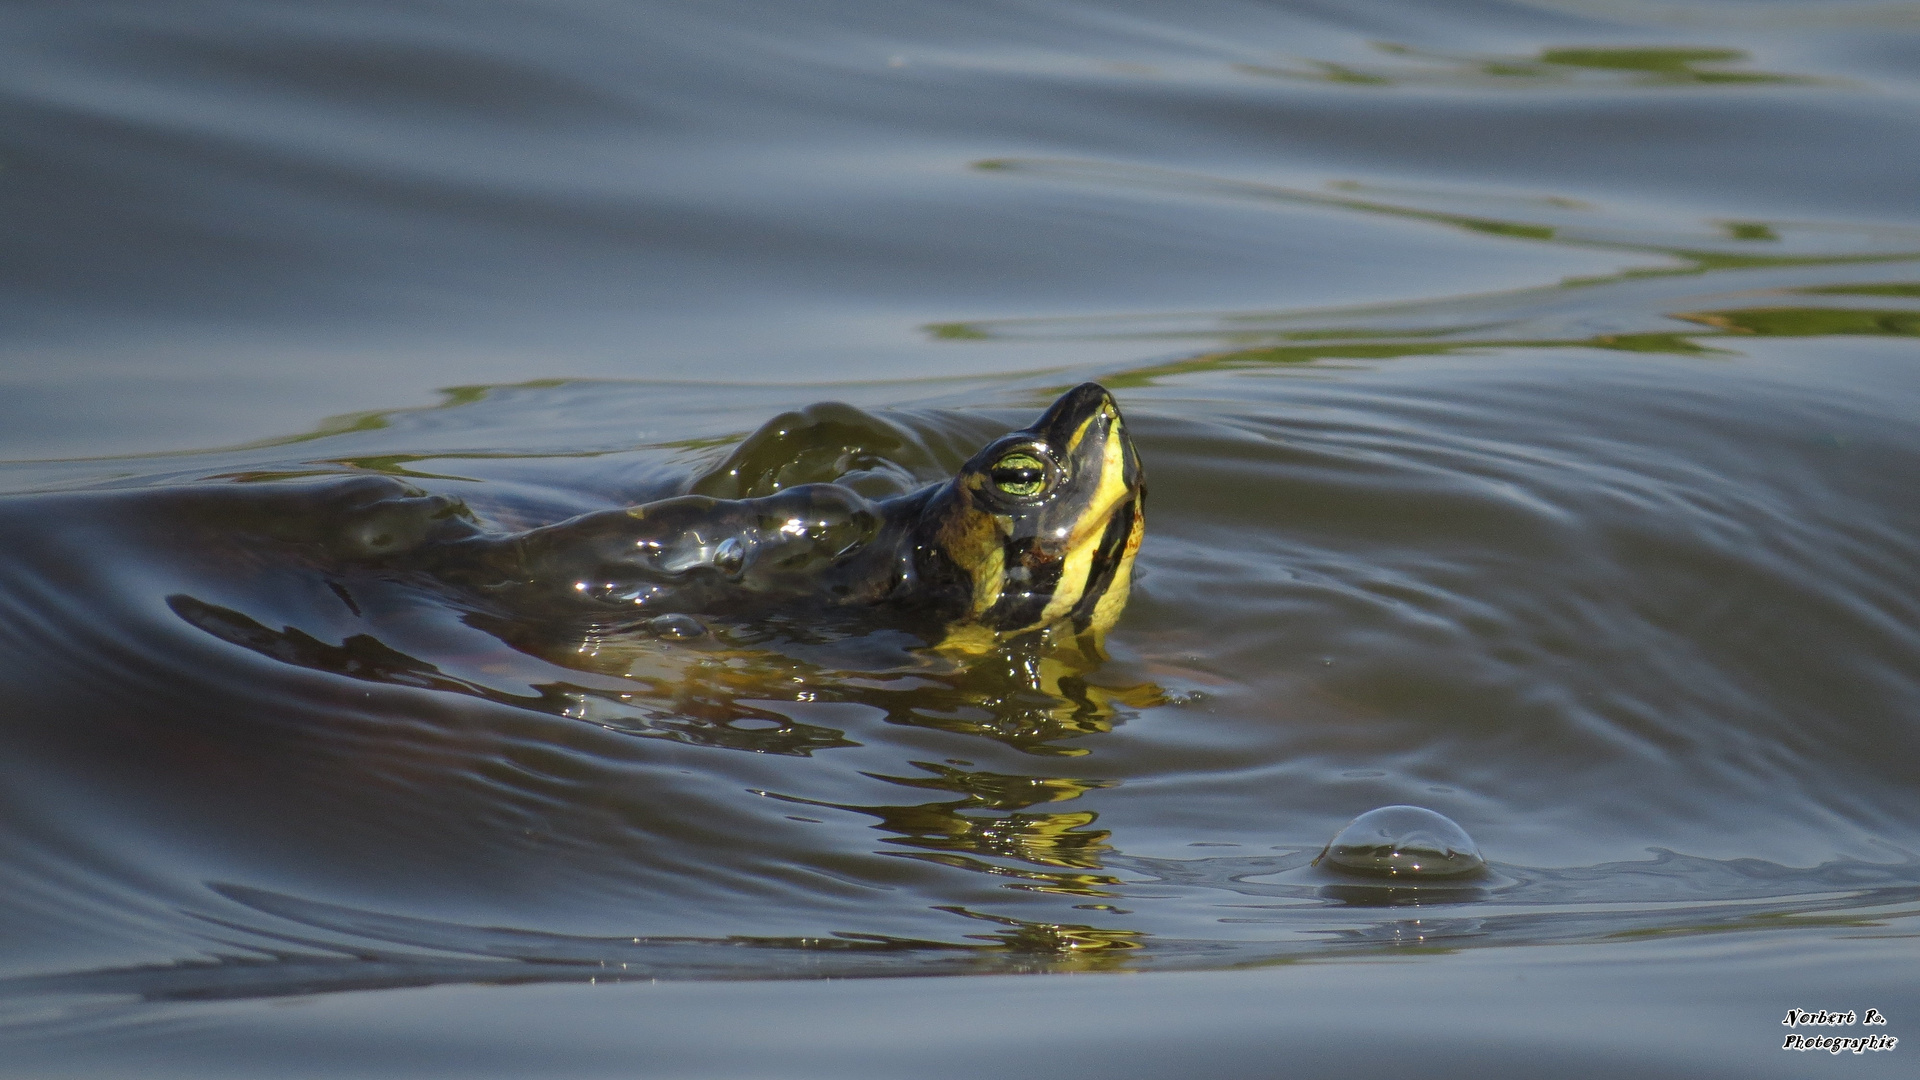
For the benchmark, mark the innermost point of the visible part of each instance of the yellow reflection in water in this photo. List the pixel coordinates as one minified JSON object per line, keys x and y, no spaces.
{"x":1082,"y":947}
{"x":1032,"y":693}
{"x":965,"y":834}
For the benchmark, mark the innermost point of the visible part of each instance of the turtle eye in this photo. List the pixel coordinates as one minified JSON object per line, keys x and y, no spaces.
{"x":1020,"y":473}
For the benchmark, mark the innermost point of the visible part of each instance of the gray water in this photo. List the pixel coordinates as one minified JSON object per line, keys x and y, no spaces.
{"x":1527,"y":397}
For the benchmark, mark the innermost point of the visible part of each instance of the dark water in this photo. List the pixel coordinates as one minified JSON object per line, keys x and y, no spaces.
{"x":1527,"y":393}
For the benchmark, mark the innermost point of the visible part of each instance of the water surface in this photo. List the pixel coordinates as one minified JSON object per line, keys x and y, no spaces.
{"x":1526,"y":393}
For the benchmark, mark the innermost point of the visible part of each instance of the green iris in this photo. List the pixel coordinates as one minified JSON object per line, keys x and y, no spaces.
{"x":1020,"y":473}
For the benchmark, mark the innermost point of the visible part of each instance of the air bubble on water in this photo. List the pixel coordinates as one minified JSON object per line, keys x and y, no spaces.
{"x":676,"y":627}
{"x":730,"y":556}
{"x":1404,"y":841}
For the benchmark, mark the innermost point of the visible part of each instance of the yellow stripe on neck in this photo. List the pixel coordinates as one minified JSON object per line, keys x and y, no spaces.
{"x":1084,"y":541}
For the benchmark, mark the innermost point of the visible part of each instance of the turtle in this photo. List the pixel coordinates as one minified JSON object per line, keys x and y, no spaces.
{"x":1037,"y":531}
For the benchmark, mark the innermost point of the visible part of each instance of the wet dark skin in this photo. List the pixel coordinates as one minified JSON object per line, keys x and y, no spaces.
{"x":1037,"y":530}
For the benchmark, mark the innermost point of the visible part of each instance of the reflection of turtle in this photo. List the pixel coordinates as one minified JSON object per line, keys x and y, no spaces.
{"x":1037,"y":530}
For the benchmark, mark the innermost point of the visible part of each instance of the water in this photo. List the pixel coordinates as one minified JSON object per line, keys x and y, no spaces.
{"x":1526,"y":393}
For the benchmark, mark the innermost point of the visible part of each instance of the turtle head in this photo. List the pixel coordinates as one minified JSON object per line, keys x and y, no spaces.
{"x":1040,"y":527}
